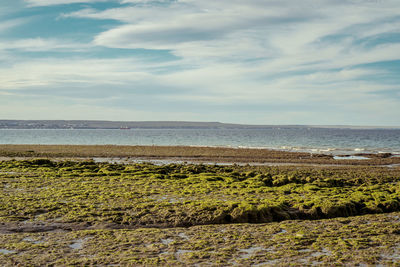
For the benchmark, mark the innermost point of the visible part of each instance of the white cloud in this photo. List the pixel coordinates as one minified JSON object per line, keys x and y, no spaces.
{"x":58,"y":2}
{"x":40,"y":44}
{"x":230,"y":53}
{"x":232,"y":29}
{"x":12,"y":23}
{"x":57,"y":72}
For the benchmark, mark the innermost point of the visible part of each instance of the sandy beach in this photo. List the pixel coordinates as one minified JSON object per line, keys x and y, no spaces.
{"x":189,"y":154}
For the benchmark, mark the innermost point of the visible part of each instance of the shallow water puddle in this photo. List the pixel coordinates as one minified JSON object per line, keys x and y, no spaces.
{"x":179,"y":252}
{"x":317,"y":254}
{"x":170,"y":199}
{"x":167,"y":241}
{"x":350,"y":157}
{"x":306,"y":250}
{"x":324,"y":252}
{"x":6,"y":172}
{"x":267,"y":263}
{"x":6,"y":251}
{"x":395,"y":257}
{"x":248,"y":252}
{"x":29,"y":239}
{"x":183,"y":235}
{"x":182,"y":251}
{"x":158,"y":162}
{"x":78,"y":243}
{"x":393,"y":165}
{"x":282,"y":231}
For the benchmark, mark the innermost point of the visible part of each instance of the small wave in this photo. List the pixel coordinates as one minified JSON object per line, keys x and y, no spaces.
{"x":212,"y":146}
{"x":359,"y":149}
{"x":328,"y":149}
{"x":386,"y":151}
{"x":293,"y":148}
{"x":254,"y":147}
{"x":321,"y":150}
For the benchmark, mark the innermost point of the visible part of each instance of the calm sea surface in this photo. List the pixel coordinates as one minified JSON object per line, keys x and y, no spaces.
{"x":334,"y":141}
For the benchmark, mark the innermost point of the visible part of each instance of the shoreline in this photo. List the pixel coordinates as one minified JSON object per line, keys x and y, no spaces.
{"x":330,"y":151}
{"x":194,"y":154}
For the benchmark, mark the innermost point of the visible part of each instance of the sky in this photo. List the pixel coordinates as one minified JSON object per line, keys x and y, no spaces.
{"x":315,"y":62}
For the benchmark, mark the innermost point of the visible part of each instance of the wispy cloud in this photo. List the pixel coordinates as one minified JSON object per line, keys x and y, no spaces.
{"x":43,"y":45}
{"x":56,"y":72}
{"x":59,"y":2}
{"x":7,"y":25}
{"x":234,"y":57}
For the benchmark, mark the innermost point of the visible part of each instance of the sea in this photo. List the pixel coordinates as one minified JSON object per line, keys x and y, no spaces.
{"x":335,"y":141}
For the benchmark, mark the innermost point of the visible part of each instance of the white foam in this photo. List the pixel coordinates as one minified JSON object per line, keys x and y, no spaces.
{"x":350,"y":157}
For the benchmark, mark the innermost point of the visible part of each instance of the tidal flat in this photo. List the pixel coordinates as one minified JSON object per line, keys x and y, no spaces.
{"x":66,"y":212}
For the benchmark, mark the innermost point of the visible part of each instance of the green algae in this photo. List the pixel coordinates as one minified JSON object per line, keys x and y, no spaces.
{"x":78,"y":208}
{"x":184,"y":195}
{"x":361,"y":240}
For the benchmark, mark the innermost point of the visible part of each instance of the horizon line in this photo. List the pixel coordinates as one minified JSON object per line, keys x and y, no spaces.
{"x":202,"y":122}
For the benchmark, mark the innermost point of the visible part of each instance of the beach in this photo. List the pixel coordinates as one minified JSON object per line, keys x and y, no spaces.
{"x":195,"y":154}
{"x":161,"y":205}
{"x":199,"y":133}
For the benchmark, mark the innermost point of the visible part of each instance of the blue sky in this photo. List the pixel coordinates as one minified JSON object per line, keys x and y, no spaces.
{"x":254,"y":62}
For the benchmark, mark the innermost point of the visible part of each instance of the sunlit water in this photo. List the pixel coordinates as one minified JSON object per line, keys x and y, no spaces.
{"x":318,"y":140}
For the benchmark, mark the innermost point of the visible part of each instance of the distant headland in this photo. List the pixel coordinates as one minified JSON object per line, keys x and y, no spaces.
{"x":98,"y":124}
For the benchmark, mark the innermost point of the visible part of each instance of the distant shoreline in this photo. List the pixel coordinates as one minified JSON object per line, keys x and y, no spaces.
{"x":93,"y":124}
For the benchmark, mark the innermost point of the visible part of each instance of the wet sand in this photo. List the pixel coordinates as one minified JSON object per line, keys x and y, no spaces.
{"x":189,"y":154}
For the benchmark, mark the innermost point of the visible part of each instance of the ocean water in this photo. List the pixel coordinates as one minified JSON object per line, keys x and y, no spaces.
{"x":318,"y":140}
